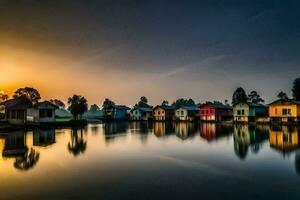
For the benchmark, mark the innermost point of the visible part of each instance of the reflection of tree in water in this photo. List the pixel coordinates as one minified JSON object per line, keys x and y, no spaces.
{"x":249,"y":136}
{"x":28,"y":160}
{"x":77,"y":145}
{"x":297,"y":162}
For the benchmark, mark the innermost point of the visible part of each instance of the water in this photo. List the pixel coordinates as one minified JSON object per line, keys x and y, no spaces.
{"x":151,"y":161}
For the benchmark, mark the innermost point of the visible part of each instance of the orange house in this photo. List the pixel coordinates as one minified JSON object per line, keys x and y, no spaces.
{"x":284,"y":110}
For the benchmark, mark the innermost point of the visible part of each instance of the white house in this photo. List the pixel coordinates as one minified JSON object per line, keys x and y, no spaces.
{"x":42,"y":112}
{"x":139,"y":113}
{"x":187,"y":113}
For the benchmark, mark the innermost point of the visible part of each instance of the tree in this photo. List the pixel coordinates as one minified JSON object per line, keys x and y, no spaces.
{"x":282,"y":95}
{"x":239,"y":96}
{"x":94,"y":108}
{"x":165,"y":102}
{"x":296,"y":89}
{"x":183,"y":102}
{"x":32,"y":94}
{"x":255,"y":98}
{"x":58,"y":103}
{"x":77,"y":106}
{"x":144,"y":99}
{"x":3,"y":97}
{"x":108,"y":103}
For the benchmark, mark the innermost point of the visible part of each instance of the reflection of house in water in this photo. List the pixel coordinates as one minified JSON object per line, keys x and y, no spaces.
{"x":15,"y":144}
{"x":15,"y":147}
{"x":248,"y":136}
{"x":213,"y":131}
{"x":284,"y":138}
{"x":185,"y":130}
{"x":141,"y":127}
{"x":43,"y":137}
{"x":115,"y":129}
{"x":163,"y":128}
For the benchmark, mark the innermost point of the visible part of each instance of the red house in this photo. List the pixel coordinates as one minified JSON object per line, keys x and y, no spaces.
{"x":215,"y":112}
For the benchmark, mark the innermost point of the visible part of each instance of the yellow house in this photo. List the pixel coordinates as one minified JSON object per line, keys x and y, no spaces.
{"x":163,"y":113}
{"x":284,"y":110}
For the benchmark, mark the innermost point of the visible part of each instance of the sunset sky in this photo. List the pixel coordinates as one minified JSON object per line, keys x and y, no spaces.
{"x":161,"y":49}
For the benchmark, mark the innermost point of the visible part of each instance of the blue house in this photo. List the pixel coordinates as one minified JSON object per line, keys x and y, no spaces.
{"x":116,"y":112}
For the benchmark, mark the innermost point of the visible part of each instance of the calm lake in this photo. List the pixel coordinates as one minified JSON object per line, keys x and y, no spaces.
{"x":151,"y":161}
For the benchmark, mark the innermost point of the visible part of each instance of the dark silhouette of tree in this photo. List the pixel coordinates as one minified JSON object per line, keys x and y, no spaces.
{"x":144,"y":99}
{"x":254,"y":97}
{"x":28,"y":160}
{"x":296,"y":89}
{"x":3,"y":97}
{"x":239,"y":96}
{"x":32,"y":94}
{"x":108,"y":103}
{"x":58,"y":103}
{"x":184,"y":102}
{"x":297,"y":163}
{"x":165,"y":102}
{"x":77,"y":106}
{"x":282,"y":95}
{"x":94,"y":108}
{"x":77,"y":145}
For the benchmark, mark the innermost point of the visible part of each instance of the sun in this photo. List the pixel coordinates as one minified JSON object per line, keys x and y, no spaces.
{"x":2,"y":92}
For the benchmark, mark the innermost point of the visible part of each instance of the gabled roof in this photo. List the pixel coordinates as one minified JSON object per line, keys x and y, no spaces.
{"x":45,"y":102}
{"x":284,"y":102}
{"x":165,"y":107}
{"x":252,"y":104}
{"x":18,"y":101}
{"x":121,"y":107}
{"x":189,"y":108}
{"x":217,"y":105}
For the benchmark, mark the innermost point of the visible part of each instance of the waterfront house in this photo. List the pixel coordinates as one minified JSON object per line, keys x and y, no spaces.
{"x":141,"y":111}
{"x":42,"y":112}
{"x":164,"y":113}
{"x":284,"y":111}
{"x":250,"y":112}
{"x":215,"y":112}
{"x":16,"y":110}
{"x":116,"y":112}
{"x":187,"y":113}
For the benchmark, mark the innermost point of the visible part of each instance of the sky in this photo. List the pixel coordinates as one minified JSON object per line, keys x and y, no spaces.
{"x":124,"y":49}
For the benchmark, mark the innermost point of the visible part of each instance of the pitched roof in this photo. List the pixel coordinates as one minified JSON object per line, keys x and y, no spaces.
{"x":165,"y":107}
{"x":45,"y":102}
{"x":285,"y":100}
{"x":121,"y":107}
{"x":22,"y":100}
{"x":252,"y":104}
{"x":190,"y":108}
{"x":217,"y":105}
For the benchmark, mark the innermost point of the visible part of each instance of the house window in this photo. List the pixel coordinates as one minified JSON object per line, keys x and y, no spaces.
{"x":45,"y":113}
{"x":158,"y":112}
{"x":211,"y":111}
{"x":238,"y":112}
{"x":203,"y":111}
{"x":182,"y":113}
{"x":275,"y":111}
{"x":206,"y":111}
{"x":243,"y":112}
{"x":286,"y":111}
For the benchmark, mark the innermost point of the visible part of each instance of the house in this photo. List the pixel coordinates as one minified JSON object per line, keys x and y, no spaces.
{"x":141,"y":111}
{"x":141,"y":114}
{"x":20,"y":111}
{"x":216,"y":112}
{"x":116,"y":112}
{"x":16,"y":110}
{"x":187,"y":113}
{"x":249,"y":112}
{"x":42,"y":112}
{"x":284,"y":111}
{"x":164,"y":113}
